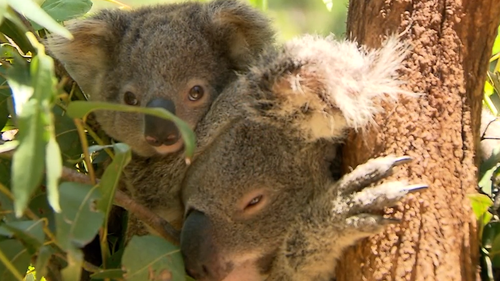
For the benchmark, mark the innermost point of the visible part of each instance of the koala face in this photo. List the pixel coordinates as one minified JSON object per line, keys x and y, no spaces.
{"x":260,"y":200}
{"x":184,"y":77}
{"x":239,"y":209}
{"x":178,"y":57}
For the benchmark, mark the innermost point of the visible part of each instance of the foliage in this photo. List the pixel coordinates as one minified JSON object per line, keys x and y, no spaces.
{"x":46,"y":219}
{"x":485,"y":206}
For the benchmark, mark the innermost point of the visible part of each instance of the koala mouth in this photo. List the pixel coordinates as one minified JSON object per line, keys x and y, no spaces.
{"x":174,"y":147}
{"x":246,"y":271}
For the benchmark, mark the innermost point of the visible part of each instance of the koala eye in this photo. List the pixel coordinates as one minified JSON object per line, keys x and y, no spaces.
{"x":130,"y":99}
{"x":196,"y":93}
{"x":256,"y":200}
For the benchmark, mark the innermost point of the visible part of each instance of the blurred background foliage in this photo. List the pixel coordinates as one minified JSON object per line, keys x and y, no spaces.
{"x":290,"y":17}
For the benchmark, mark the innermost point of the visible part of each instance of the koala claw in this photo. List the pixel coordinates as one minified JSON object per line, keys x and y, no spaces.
{"x":370,"y":172}
{"x":416,"y":187}
{"x":402,"y":160}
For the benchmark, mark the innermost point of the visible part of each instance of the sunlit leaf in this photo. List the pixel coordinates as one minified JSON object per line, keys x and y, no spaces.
{"x":78,"y":109}
{"x":162,"y":260}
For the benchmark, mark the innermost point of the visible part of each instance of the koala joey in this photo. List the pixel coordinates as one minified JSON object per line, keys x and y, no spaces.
{"x":259,"y":198}
{"x":176,"y":56}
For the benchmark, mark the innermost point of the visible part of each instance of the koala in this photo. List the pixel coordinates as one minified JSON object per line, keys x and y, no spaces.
{"x":176,"y":56}
{"x":260,"y":202}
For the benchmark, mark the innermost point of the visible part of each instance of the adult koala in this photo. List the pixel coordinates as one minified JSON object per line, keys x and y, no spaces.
{"x":260,"y":200}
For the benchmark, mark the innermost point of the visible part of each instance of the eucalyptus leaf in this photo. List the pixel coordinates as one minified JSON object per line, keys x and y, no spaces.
{"x":15,"y":29}
{"x":63,"y":10}
{"x":110,"y":179}
{"x":30,"y":232}
{"x":78,"y":109}
{"x":42,"y":261}
{"x":32,"y":11}
{"x":108,"y":273}
{"x":67,"y":137}
{"x":74,"y":269}
{"x":161,"y":261}
{"x":79,"y":220}
{"x":41,"y":208}
{"x":17,"y":256}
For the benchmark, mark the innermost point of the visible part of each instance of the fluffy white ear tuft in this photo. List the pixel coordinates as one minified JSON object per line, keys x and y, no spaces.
{"x":335,"y":85}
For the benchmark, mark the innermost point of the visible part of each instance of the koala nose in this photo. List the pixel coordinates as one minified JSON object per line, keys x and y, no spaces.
{"x":200,"y":254}
{"x":159,"y":131}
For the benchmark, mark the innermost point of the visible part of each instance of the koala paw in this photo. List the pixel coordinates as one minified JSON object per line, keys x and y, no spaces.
{"x":355,"y":201}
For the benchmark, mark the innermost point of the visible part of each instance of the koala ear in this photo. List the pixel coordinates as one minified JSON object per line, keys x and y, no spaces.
{"x":242,"y":30}
{"x":88,"y":56}
{"x":320,"y":87}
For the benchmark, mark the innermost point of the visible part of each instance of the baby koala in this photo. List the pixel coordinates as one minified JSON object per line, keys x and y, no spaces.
{"x":176,"y":56}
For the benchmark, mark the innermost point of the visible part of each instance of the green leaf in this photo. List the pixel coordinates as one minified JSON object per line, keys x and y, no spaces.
{"x":79,"y":220}
{"x":5,"y":96}
{"x":74,"y":269}
{"x":480,"y":204}
{"x":162,"y":260}
{"x":53,"y":164}
{"x":15,"y":29}
{"x":3,"y":9}
{"x":17,"y":258}
{"x":40,"y":207}
{"x":108,"y":273}
{"x":67,"y":137}
{"x":36,"y":129}
{"x":30,"y":232}
{"x":110,"y":179}
{"x":63,"y":10}
{"x":32,"y":11}
{"x":27,"y":162}
{"x":78,"y":109}
{"x":42,"y":261}
{"x":496,"y":44}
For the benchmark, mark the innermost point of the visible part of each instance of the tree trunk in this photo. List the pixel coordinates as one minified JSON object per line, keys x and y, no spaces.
{"x":451,"y":41}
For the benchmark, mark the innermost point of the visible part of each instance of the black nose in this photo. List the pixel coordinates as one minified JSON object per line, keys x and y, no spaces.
{"x":200,"y":253}
{"x":159,"y":131}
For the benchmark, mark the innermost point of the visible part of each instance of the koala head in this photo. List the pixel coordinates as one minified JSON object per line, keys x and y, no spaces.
{"x":254,"y":179}
{"x":178,"y":57}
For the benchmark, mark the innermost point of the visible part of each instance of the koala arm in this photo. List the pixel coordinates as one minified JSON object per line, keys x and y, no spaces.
{"x":337,"y":218}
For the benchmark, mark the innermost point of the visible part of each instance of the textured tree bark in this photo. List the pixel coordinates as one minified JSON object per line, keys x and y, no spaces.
{"x":451,"y":41}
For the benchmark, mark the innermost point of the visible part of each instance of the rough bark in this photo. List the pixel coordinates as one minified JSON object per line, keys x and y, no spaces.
{"x":451,"y":41}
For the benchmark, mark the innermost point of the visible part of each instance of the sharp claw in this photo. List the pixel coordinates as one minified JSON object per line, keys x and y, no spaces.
{"x":402,"y":160}
{"x":415,"y":187}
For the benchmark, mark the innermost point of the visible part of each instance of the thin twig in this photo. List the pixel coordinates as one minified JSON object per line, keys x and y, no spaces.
{"x":85,"y":148}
